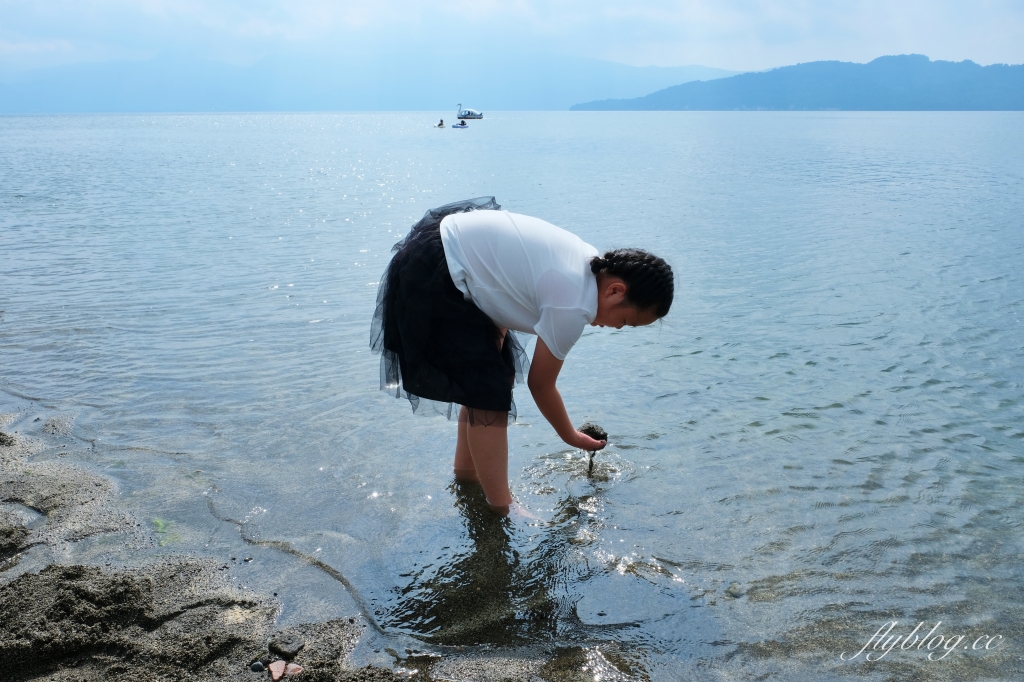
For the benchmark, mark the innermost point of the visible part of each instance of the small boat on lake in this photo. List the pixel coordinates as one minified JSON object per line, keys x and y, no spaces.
{"x":468,"y":113}
{"x":463,"y":124}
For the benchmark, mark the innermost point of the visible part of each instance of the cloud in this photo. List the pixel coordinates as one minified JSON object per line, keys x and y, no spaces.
{"x":34,"y":47}
{"x":736,"y":34}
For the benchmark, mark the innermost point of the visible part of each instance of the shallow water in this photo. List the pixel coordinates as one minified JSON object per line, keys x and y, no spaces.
{"x":831,"y":418}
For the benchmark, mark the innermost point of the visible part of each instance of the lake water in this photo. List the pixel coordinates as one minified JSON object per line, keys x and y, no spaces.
{"x":825,"y":434}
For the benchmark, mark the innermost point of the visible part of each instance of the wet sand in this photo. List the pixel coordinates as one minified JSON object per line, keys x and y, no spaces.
{"x":179,"y":616}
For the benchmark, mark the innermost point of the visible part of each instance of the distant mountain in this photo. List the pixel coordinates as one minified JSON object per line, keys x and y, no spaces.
{"x":320,"y":83}
{"x":897,"y":83}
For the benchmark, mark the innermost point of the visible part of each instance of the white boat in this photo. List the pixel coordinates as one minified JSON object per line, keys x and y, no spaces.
{"x":468,"y":113}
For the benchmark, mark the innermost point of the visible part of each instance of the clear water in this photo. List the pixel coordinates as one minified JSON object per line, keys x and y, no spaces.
{"x":831,"y":417}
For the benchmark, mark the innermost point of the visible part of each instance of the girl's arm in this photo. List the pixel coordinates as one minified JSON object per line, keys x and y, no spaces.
{"x":543,"y":372}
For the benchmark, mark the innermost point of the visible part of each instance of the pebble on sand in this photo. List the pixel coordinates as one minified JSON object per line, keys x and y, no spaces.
{"x":277,"y":669}
{"x":257,"y":667}
{"x":735,"y":591}
{"x":292,"y":669}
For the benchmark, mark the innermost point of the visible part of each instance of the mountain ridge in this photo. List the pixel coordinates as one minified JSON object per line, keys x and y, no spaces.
{"x":888,"y":83}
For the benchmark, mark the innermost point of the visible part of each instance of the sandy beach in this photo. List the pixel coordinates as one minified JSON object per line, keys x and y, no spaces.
{"x":178,"y":617}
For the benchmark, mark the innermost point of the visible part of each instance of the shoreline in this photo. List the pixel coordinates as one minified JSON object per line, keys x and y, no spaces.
{"x":175,"y":617}
{"x":82,"y":600}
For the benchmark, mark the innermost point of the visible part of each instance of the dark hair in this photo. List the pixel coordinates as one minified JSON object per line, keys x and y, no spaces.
{"x":649,"y":280}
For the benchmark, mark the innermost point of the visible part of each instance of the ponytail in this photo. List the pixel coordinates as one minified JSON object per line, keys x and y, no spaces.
{"x":649,"y":280}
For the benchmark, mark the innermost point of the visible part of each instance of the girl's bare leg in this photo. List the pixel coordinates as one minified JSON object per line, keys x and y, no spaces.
{"x":488,"y":446}
{"x":464,"y":469}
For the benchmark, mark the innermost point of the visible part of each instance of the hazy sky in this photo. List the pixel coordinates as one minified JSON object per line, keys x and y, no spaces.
{"x":732,"y":34}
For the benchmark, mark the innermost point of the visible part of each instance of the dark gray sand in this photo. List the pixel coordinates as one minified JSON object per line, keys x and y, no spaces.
{"x":597,"y":433}
{"x":174,"y":619}
{"x":594,"y":431}
{"x":178,"y":617}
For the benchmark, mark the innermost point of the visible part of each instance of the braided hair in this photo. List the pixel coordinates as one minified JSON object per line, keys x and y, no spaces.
{"x":649,"y":280}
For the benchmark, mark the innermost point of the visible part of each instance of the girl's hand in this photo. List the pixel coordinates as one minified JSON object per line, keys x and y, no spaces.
{"x":585,"y":442}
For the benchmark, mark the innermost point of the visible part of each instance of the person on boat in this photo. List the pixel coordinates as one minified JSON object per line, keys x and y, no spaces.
{"x":441,"y":124}
{"x":461,"y":282}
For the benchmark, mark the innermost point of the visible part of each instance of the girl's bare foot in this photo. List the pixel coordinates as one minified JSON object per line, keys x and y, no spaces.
{"x":520,"y":513}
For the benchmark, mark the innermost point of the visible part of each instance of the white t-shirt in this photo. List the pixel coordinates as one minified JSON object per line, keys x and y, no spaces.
{"x":524,"y":273}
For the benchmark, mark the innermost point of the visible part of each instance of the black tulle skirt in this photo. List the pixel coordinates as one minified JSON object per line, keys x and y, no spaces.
{"x":438,"y":349}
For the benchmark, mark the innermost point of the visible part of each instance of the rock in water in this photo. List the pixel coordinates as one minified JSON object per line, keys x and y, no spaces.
{"x":594,"y":431}
{"x":286,"y":645}
{"x":735,"y":590}
{"x":277,"y":669}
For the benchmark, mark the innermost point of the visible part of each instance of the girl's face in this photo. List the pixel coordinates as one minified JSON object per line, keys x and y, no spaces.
{"x":612,"y":308}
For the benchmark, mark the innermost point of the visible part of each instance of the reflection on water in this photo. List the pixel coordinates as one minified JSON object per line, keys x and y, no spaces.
{"x":487,"y":594}
{"x":498,"y":592}
{"x":493,"y":592}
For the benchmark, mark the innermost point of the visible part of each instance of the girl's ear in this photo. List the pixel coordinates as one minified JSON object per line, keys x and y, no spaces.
{"x":616,"y":288}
